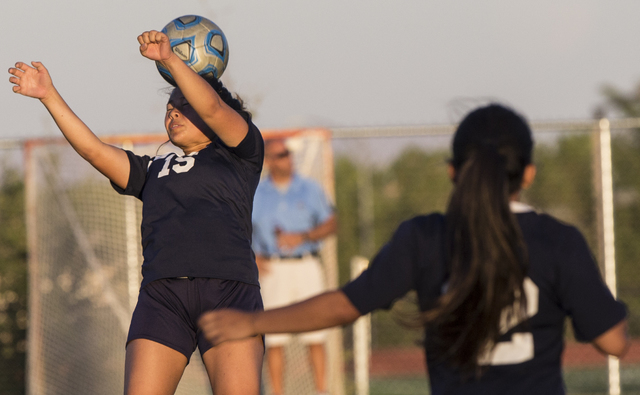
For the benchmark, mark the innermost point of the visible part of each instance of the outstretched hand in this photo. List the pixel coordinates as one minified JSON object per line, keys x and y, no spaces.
{"x":155,"y":45}
{"x":31,"y":81}
{"x":227,"y":324}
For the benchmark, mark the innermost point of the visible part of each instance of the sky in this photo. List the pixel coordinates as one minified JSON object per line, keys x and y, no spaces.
{"x":330,"y":63}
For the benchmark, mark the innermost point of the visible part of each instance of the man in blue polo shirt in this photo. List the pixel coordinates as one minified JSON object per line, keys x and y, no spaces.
{"x":291,"y":215}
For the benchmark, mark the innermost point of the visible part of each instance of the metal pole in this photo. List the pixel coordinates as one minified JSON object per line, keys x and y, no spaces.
{"x":361,"y":337}
{"x":366,"y":216}
{"x":35,"y":334}
{"x":608,"y":234}
{"x":132,"y":243}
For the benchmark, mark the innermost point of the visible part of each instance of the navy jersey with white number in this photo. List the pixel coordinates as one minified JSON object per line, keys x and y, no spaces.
{"x":562,"y":281}
{"x":196,"y":212}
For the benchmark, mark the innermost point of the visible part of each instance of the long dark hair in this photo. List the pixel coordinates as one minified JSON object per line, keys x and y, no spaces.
{"x":486,"y":255}
{"x":232,"y":101}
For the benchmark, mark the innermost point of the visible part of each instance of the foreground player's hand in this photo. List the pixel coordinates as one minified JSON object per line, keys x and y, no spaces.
{"x":31,"y":81}
{"x":223,"y":325}
{"x":155,"y":45}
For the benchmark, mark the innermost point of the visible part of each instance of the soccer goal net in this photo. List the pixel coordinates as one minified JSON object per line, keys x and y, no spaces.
{"x":84,"y":269}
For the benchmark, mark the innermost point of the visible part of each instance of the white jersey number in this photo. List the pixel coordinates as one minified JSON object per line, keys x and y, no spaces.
{"x":520,"y":348}
{"x":185,"y":163}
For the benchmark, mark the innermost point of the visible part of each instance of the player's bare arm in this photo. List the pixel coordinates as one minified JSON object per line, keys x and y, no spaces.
{"x":614,"y":341}
{"x":34,"y":81}
{"x":323,"y":311}
{"x":225,"y":122}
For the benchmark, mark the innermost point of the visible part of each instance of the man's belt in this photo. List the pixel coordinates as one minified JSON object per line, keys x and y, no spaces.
{"x":314,"y":254}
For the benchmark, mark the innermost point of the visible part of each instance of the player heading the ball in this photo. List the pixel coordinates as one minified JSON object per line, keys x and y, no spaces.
{"x":196,"y":222}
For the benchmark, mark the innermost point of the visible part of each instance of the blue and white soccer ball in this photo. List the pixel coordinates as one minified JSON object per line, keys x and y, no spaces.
{"x":200,"y":43}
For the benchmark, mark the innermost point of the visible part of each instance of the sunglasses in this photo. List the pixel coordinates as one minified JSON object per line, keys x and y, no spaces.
{"x":280,"y":155}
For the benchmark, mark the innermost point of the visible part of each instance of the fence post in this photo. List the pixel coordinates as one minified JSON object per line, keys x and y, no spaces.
{"x":608,"y":234}
{"x":133,"y":241}
{"x":361,"y":337}
{"x":366,"y":216}
{"x":35,"y":375}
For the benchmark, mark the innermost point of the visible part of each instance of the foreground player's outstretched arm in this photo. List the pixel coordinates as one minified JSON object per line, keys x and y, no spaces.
{"x":225,"y":122}
{"x":326,"y":310}
{"x":615,"y":341}
{"x":35,"y":82}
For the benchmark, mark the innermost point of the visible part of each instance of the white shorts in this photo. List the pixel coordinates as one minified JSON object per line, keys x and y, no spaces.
{"x":290,"y":281}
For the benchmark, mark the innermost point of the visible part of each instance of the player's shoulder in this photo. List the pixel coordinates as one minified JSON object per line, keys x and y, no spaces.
{"x":426,"y":220}
{"x":139,"y":162}
{"x":546,"y":225}
{"x":551,"y":237}
{"x":423,"y":225}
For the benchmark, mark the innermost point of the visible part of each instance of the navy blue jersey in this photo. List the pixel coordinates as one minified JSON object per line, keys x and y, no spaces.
{"x":562,"y":281}
{"x":196,"y":212}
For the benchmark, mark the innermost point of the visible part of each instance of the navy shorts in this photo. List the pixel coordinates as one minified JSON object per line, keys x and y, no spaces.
{"x":168,"y":309}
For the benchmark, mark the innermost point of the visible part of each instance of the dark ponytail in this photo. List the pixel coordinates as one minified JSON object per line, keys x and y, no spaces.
{"x":234,"y":102}
{"x":486,"y":255}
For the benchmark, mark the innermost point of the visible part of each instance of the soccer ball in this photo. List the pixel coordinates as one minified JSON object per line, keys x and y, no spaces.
{"x":200,"y":43}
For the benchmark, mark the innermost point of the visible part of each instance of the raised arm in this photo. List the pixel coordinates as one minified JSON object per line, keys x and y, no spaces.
{"x":326,"y":310}
{"x":35,"y":82}
{"x":225,"y":122}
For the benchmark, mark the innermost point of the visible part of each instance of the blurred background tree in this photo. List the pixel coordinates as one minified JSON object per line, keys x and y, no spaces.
{"x":626,"y":171}
{"x":626,"y":104}
{"x":13,"y":283}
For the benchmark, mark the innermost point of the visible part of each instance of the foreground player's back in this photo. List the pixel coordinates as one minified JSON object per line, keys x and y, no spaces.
{"x":562,"y":281}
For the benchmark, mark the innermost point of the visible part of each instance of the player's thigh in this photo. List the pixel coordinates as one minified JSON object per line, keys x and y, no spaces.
{"x":152,"y":368}
{"x":235,"y":367}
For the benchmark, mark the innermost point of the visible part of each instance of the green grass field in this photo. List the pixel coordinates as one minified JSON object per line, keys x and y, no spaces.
{"x":399,"y":386}
{"x":595,"y":381}
{"x":591,"y":381}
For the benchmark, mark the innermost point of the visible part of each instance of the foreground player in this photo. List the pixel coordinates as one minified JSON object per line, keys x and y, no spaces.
{"x":495,"y":280}
{"x":196,"y":226}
